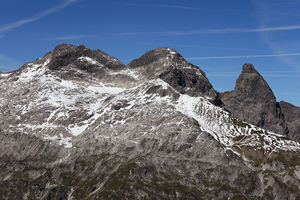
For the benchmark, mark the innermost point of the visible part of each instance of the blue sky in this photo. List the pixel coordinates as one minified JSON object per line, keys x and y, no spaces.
{"x":218,"y":36}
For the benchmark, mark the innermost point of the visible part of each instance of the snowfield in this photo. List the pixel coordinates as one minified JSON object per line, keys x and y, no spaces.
{"x":92,"y":101}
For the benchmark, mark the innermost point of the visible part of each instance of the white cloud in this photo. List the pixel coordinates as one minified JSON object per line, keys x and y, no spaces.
{"x":265,"y":14}
{"x":179,"y":7}
{"x":19,"y":23}
{"x":216,"y":31}
{"x":227,"y":75}
{"x":216,"y":47}
{"x":8,"y":64}
{"x":243,"y":56}
{"x":163,"y":6}
{"x":278,"y":74}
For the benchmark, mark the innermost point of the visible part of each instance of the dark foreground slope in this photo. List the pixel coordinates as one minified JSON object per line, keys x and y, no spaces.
{"x":78,"y":124}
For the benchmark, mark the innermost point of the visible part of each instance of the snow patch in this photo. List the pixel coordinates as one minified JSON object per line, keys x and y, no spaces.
{"x":3,"y":75}
{"x":89,"y":60}
{"x":218,"y":123}
{"x":160,"y":82}
{"x":127,"y":72}
{"x":105,"y":90}
{"x":33,"y":71}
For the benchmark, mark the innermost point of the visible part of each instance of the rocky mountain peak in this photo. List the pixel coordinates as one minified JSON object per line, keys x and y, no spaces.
{"x":79,"y":62}
{"x":253,"y":100}
{"x":67,"y":54}
{"x":64,"y":54}
{"x":78,"y":124}
{"x":171,"y":67}
{"x":248,"y":68}
{"x":251,"y":84}
{"x":153,"y":56}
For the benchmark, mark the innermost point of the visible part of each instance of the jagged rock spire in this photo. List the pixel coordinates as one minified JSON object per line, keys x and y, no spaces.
{"x":253,"y":100}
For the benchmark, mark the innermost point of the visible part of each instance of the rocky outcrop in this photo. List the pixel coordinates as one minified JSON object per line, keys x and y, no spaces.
{"x":171,"y":67}
{"x":148,"y":131}
{"x":253,"y":101}
{"x":73,"y":62}
{"x":65,"y":54}
{"x":292,"y":117}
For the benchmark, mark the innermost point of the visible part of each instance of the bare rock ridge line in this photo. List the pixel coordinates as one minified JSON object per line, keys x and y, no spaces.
{"x":79,"y":124}
{"x":65,"y":54}
{"x":171,"y":67}
{"x":252,"y":100}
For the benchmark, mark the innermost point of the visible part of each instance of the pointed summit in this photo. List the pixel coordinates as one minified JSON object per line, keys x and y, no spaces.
{"x":67,"y":54}
{"x":170,"y":66}
{"x":248,"y":68}
{"x":251,"y":84}
{"x":153,"y":56}
{"x":253,"y":100}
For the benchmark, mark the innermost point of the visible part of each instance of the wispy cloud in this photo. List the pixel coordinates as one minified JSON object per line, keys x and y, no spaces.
{"x":264,"y":75}
{"x":265,"y":16}
{"x":178,"y":7}
{"x":215,"y":31}
{"x":278,"y":74}
{"x":243,"y":56}
{"x":215,"y":47}
{"x":163,"y":6}
{"x":71,"y":37}
{"x":8,"y":64}
{"x":11,"y":26}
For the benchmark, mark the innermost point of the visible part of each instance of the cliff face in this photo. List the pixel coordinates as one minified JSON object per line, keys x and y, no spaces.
{"x":292,"y":117}
{"x":171,"y":67}
{"x":79,"y":124}
{"x":253,"y":101}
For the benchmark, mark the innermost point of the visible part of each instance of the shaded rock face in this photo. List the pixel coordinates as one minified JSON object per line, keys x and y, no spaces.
{"x":75,"y":61}
{"x":65,"y":54}
{"x":73,"y":127}
{"x":71,"y":62}
{"x":292,"y":117}
{"x":171,"y":67}
{"x":253,"y":101}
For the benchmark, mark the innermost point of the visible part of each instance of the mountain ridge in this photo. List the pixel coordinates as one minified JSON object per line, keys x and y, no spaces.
{"x":176,"y":77}
{"x":78,"y":129}
{"x":253,"y":101}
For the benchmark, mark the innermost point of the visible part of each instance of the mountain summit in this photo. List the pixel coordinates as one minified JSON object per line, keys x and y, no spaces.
{"x":171,"y":67}
{"x":253,"y":101}
{"x":79,"y":124}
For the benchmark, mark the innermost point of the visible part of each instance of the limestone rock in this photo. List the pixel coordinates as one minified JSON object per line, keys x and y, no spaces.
{"x":292,"y":117}
{"x":253,"y":101}
{"x":78,"y":124}
{"x":171,"y":67}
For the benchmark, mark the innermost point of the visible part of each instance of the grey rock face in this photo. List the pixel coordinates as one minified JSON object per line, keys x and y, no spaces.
{"x":292,"y":117}
{"x":171,"y":67}
{"x":253,"y":101}
{"x":148,"y":131}
{"x":65,"y":54}
{"x":79,"y":62}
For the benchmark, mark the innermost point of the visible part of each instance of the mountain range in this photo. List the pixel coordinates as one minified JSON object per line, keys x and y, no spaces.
{"x":79,"y":124}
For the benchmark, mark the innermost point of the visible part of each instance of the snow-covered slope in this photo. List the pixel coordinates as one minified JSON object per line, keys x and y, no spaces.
{"x":63,"y":109}
{"x":85,"y":105}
